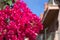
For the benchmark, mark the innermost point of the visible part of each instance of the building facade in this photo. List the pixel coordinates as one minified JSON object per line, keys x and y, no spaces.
{"x":51,"y":21}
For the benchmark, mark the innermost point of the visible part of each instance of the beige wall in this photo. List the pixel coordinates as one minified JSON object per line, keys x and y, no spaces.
{"x":57,"y":36}
{"x":59,"y":25}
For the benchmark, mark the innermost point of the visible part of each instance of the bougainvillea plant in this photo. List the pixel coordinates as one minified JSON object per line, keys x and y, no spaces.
{"x":17,"y":22}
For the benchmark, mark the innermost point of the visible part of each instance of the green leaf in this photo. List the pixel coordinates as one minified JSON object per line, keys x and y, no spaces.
{"x":9,"y":2}
{"x":4,"y":0}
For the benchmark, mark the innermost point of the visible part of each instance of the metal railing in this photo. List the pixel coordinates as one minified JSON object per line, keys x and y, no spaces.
{"x":51,"y":35}
{"x":50,"y":2}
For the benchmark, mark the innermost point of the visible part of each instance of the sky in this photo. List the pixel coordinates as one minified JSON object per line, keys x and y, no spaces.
{"x":36,"y":6}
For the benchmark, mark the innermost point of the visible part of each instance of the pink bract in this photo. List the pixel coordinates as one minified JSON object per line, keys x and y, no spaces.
{"x":19,"y":22}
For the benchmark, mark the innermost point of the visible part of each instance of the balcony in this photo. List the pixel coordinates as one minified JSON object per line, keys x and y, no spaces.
{"x":49,"y":20}
{"x":50,"y":14}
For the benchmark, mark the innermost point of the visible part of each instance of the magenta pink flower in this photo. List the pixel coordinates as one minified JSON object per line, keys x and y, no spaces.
{"x":18,"y":22}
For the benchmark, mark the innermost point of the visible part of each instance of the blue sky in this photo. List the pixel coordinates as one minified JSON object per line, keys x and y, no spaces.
{"x":36,"y":6}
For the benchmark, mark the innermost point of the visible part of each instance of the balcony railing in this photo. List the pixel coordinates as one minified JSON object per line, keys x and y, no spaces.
{"x":50,"y":2}
{"x":54,"y":2}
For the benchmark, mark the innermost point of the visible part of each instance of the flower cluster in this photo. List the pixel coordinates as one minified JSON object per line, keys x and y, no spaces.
{"x":18,"y":22}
